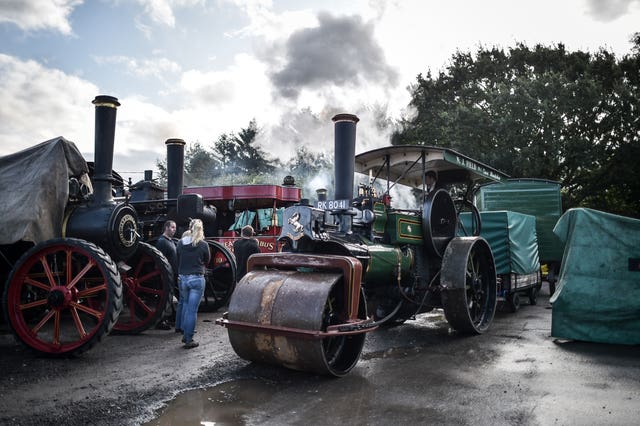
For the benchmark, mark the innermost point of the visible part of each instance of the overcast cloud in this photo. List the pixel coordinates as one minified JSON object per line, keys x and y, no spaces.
{"x":195,"y":69}
{"x":339,"y":51}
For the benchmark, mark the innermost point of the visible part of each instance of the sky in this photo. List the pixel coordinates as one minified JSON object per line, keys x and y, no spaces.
{"x":197,"y":69}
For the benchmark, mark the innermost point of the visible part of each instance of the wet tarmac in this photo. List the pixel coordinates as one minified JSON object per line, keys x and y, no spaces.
{"x":422,"y":373}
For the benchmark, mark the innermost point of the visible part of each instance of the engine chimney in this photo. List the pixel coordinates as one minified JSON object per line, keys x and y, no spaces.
{"x":345,"y":152}
{"x":175,"y":167}
{"x":105,"y":130}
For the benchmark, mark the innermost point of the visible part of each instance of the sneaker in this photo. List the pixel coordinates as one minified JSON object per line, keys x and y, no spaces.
{"x":179,"y":331}
{"x":191,"y":344}
{"x":163,"y":325}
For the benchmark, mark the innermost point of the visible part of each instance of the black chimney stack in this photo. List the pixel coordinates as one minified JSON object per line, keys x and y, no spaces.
{"x":148,"y":175}
{"x":175,"y":167}
{"x":344,"y":163}
{"x":104,"y":141}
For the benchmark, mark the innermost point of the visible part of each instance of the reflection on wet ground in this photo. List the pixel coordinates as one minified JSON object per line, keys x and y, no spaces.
{"x":227,"y":404}
{"x":422,"y":373}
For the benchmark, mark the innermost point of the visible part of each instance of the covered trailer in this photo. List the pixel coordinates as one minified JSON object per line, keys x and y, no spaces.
{"x":537,"y":197}
{"x":513,"y":241}
{"x":598,"y":295}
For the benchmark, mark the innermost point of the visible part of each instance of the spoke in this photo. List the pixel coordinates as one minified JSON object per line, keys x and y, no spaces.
{"x":76,"y":319}
{"x":31,"y":281}
{"x":139,"y":266}
{"x":69,"y":265}
{"x":47,"y":270}
{"x":224,"y":265}
{"x":56,"y":328}
{"x":148,"y":276}
{"x":92,"y":291}
{"x":42,"y":322}
{"x":138,"y":301}
{"x":86,"y":309}
{"x":84,"y":270}
{"x":37,"y":303}
{"x":150,"y":290}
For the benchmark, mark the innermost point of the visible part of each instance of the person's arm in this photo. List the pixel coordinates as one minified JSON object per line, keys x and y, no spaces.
{"x":206,"y":253}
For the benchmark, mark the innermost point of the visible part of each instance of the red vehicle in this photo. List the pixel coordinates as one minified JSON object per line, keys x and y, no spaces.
{"x":224,"y":210}
{"x":260,"y":206}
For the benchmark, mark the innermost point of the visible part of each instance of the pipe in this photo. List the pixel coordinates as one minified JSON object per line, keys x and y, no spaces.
{"x":175,"y":167}
{"x":105,"y":129}
{"x":345,"y":152}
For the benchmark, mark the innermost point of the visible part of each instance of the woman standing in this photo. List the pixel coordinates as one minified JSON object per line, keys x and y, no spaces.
{"x":193,"y":256}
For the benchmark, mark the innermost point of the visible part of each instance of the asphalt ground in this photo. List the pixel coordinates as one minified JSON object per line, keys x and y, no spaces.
{"x":420,"y":372}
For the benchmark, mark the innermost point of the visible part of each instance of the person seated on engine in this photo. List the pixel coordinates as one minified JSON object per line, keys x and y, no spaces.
{"x":431,"y":180}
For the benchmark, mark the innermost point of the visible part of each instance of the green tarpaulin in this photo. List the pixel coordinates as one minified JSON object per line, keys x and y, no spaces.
{"x":512,"y":237}
{"x":598,"y":294}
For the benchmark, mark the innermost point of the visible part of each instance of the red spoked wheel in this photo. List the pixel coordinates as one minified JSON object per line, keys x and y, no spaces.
{"x":220,"y":278}
{"x":63,"y":296}
{"x":148,"y":290}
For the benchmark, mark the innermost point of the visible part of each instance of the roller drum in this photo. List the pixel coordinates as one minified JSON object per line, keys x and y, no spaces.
{"x":296,"y":300}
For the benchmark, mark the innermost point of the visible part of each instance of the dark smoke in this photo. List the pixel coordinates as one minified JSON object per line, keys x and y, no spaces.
{"x":610,"y":10}
{"x":340,"y":51}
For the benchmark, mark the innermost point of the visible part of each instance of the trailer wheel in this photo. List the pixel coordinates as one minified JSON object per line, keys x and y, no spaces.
{"x":147,"y":290}
{"x":62,"y":297}
{"x":468,"y":280}
{"x":220,"y":278}
{"x":533,"y":295}
{"x":513,"y":302}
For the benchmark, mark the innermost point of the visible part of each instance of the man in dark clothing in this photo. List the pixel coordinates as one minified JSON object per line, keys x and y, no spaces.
{"x":168,"y":248}
{"x":243,"y":248}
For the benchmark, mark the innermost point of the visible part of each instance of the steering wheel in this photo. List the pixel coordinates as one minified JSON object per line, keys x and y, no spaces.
{"x":464,"y":205}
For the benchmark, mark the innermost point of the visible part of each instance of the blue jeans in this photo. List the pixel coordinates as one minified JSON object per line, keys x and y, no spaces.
{"x":191,"y":291}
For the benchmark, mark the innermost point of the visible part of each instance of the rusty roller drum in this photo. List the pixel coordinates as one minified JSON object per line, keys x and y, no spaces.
{"x":288,"y":301}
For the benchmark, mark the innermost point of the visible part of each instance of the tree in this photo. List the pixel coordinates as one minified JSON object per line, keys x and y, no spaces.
{"x":541,"y":112}
{"x":239,"y":156}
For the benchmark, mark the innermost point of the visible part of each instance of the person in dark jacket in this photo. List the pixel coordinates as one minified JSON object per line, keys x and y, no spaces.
{"x":243,"y":248}
{"x":167,"y":247}
{"x":193,"y":257}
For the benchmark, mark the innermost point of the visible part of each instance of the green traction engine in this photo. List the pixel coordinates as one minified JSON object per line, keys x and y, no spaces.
{"x":356,"y":263}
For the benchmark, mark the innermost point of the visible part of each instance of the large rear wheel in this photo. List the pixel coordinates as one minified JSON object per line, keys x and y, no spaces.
{"x":220,"y":278}
{"x":63,"y":296}
{"x":468,"y":279}
{"x":148,"y":290}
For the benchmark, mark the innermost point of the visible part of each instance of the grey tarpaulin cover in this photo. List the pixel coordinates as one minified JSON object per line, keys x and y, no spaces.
{"x":34,"y":184}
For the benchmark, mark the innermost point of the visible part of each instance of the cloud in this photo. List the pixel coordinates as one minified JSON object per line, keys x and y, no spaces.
{"x":156,"y":67}
{"x":340,"y":51}
{"x":41,"y":103}
{"x":161,"y":11}
{"x":33,"y":15}
{"x":610,"y":10}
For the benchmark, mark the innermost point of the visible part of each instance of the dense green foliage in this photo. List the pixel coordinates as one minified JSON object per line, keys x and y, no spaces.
{"x":540,"y":112}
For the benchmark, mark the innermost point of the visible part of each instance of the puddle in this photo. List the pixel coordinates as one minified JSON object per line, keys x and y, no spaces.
{"x":225,"y":404}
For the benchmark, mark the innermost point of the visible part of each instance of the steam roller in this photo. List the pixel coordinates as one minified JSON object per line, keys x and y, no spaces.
{"x":307,"y":307}
{"x":294,"y":310}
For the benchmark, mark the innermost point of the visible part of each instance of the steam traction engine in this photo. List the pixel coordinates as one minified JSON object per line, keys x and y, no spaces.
{"x":67,"y":248}
{"x":308,"y":307}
